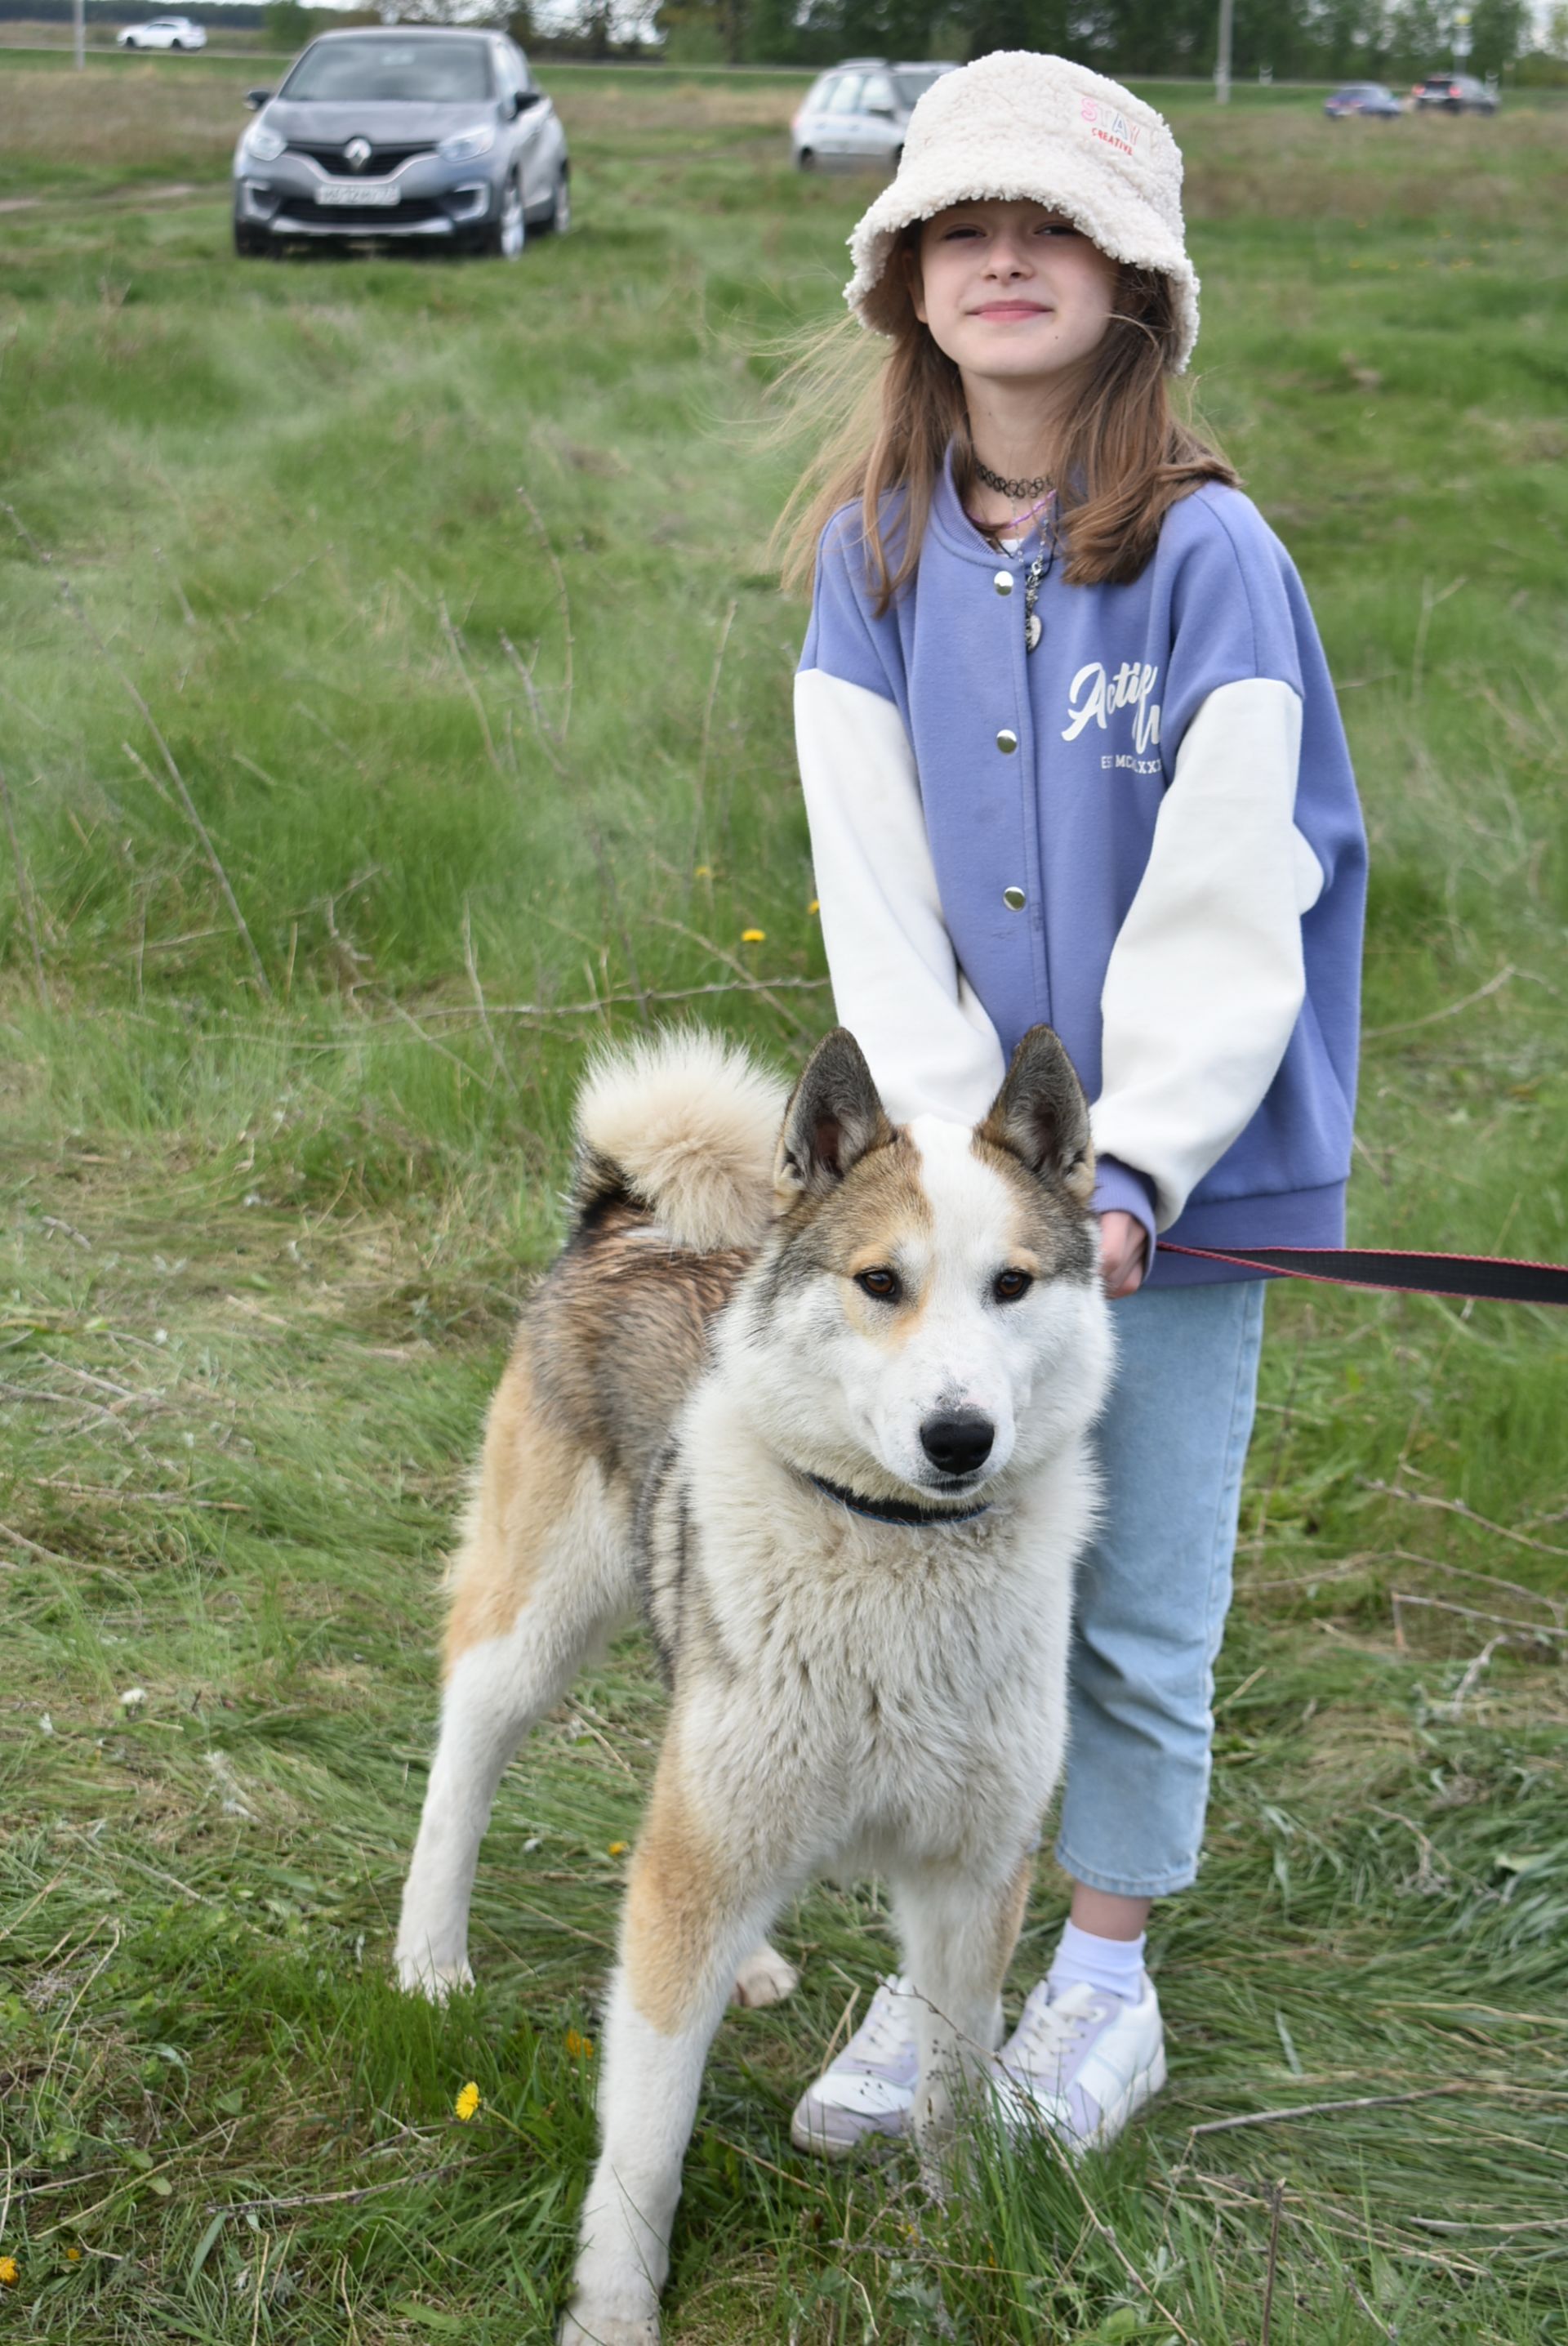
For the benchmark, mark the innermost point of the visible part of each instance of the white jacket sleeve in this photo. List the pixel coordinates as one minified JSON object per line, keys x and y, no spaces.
{"x":897,"y":986}
{"x":1206,"y":980}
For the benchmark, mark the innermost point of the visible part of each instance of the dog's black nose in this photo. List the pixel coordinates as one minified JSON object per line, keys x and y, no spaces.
{"x":958,"y":1440}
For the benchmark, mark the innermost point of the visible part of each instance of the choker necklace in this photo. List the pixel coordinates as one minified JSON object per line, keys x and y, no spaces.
{"x":894,"y":1511}
{"x":1010,"y":488}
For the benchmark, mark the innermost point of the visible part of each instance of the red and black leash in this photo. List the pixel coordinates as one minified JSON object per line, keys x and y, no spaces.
{"x":1488,"y":1278}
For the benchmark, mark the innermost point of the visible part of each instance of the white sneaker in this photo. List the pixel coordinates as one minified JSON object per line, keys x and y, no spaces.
{"x":1082,"y":2065}
{"x":869,"y":2089}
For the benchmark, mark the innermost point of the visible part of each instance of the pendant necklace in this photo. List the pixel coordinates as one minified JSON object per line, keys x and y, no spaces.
{"x":1045,"y":498}
{"x":1034,"y":577}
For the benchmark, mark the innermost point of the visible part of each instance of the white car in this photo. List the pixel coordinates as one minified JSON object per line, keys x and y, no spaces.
{"x":858,"y":114}
{"x":163,"y":32}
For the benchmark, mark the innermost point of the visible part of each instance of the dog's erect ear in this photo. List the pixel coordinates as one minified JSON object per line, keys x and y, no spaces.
{"x":1041,"y":1115}
{"x":834,"y":1119}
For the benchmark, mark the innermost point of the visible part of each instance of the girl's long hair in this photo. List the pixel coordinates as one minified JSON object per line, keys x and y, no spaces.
{"x":882,"y":414}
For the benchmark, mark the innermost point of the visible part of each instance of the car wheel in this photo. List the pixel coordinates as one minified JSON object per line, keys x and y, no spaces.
{"x":558,"y":219}
{"x":250,"y":244}
{"x":806,"y":160}
{"x":504,"y":236}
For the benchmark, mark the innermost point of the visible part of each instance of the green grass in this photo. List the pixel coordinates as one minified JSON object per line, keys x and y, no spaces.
{"x":270,"y":1208}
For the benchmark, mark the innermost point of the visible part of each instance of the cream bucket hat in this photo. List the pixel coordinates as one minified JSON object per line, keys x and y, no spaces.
{"x":1017,"y":123}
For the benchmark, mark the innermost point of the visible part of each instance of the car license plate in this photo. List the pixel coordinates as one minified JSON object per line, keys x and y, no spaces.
{"x":369,"y":192}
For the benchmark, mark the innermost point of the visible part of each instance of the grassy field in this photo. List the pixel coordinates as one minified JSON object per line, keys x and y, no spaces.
{"x":393,"y":698}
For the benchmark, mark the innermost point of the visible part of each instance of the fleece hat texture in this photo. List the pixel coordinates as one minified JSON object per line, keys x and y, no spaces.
{"x":1016,"y":124}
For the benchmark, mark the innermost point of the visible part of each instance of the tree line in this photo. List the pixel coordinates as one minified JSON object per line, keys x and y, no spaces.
{"x":1283,"y":40}
{"x":1288,"y":40}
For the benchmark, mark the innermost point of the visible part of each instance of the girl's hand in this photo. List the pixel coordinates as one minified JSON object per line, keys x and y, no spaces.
{"x":1124,"y":1243}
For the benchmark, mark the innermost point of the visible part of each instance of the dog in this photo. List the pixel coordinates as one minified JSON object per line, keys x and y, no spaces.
{"x":814,"y":1390}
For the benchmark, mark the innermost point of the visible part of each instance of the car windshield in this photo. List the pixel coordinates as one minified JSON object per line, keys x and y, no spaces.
{"x":912,"y":81}
{"x":383,"y":65}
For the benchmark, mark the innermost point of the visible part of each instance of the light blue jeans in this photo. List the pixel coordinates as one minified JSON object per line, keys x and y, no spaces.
{"x":1155,"y":1587}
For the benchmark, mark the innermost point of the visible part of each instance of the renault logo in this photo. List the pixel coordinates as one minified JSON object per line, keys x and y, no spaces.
{"x":357,"y":154}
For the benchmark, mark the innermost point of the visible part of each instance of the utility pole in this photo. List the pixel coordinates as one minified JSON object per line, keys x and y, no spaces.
{"x":1222,"y":63}
{"x":79,"y":32}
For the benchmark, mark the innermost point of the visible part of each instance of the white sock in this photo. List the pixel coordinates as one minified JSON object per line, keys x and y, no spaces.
{"x":1111,"y":1966}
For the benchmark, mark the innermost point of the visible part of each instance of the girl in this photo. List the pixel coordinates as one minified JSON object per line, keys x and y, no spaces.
{"x":1071,"y":752}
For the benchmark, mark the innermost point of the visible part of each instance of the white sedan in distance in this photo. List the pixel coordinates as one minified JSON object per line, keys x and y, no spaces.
{"x":163,"y":32}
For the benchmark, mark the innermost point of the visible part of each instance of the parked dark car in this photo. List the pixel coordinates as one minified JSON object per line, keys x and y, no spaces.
{"x":1454,"y":93}
{"x":858,"y":114}
{"x":427,"y":135}
{"x":1362,"y":98}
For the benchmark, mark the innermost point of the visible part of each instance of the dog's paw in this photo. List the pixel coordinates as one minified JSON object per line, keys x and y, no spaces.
{"x":418,"y":1975}
{"x":581,"y":2326}
{"x":764,"y":1978}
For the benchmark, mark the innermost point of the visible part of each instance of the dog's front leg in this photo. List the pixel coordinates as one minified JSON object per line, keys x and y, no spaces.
{"x":647,"y":2099}
{"x":690,"y":1918}
{"x":958,"y":1928}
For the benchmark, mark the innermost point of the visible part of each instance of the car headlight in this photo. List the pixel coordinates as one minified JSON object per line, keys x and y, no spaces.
{"x":464,"y":145}
{"x":263,"y":146}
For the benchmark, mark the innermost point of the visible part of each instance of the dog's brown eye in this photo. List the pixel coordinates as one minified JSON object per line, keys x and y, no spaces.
{"x":1009,"y":1285}
{"x":883,"y":1284}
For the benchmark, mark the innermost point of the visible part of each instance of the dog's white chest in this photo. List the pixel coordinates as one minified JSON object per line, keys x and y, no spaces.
{"x":890,"y":1714}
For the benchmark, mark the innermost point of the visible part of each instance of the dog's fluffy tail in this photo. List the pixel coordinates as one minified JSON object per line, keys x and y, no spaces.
{"x":686,"y":1124}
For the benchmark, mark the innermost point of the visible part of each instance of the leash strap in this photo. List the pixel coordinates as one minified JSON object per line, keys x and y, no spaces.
{"x":1488,"y":1278}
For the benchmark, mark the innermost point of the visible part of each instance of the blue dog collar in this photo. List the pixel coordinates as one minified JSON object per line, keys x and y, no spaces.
{"x":896,"y":1511}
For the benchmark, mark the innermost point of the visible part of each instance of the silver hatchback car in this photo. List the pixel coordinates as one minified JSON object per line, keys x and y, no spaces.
{"x":858,"y":114}
{"x":425,"y":134}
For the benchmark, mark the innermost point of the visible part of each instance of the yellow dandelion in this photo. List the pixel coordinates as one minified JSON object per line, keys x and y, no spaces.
{"x":703,"y":871}
{"x":813,"y":907}
{"x":467,"y":2103}
{"x":753,"y":937}
{"x":10,"y":2272}
{"x":617,"y":1849}
{"x":73,"y":2255}
{"x":581,"y":2048}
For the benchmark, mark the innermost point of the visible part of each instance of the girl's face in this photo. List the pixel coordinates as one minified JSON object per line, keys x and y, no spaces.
{"x":1011,"y":290}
